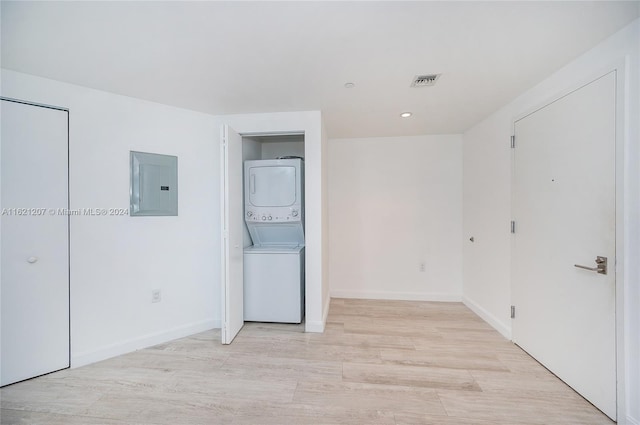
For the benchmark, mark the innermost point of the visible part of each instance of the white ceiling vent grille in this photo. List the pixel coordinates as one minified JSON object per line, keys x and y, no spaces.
{"x":425,"y":80}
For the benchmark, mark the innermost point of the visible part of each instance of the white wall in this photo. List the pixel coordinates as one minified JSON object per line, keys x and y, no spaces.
{"x":309,"y":123}
{"x":394,"y":203}
{"x":117,"y":261}
{"x":486,"y":193}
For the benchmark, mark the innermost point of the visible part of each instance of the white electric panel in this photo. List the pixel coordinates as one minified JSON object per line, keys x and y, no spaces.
{"x":154,"y":184}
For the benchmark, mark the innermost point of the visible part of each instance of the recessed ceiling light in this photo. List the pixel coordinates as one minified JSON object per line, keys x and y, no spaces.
{"x":406,"y":114}
{"x":349,"y":85}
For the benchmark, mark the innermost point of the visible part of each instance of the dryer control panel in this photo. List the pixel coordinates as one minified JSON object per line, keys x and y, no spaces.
{"x":274,"y":215}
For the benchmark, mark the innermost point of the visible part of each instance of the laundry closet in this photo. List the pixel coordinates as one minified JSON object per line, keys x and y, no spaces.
{"x":274,"y":231}
{"x":268,"y":136}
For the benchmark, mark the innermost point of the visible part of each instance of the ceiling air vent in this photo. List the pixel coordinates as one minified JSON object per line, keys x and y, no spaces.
{"x":425,"y":80}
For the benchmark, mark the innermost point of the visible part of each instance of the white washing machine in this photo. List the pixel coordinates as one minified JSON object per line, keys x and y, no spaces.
{"x":274,"y":284}
{"x":274,"y":265}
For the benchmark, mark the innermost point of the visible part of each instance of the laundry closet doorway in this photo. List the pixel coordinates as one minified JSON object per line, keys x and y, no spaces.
{"x":236,"y":237}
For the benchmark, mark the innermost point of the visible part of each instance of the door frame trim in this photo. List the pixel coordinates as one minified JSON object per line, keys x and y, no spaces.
{"x":620,"y":68}
{"x":41,"y":105}
{"x":224,"y":191}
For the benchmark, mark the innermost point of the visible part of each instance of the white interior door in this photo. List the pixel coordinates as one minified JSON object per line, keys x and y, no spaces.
{"x":232,"y":235}
{"x":34,"y":280}
{"x":564,"y":212}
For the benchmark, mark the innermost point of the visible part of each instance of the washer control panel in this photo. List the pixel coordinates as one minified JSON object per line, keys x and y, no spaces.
{"x":277,"y":215}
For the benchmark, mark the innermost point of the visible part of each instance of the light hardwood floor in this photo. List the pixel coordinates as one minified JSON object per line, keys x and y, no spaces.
{"x":378,"y":362}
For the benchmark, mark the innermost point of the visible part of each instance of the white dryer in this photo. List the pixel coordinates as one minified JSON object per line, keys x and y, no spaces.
{"x":274,"y":201}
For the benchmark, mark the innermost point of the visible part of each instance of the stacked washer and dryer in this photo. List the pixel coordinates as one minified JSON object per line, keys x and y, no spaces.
{"x":274,"y":264}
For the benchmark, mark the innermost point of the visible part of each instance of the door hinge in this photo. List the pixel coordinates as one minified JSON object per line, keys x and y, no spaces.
{"x":513,"y":226}
{"x":513,"y":141}
{"x":513,"y":311}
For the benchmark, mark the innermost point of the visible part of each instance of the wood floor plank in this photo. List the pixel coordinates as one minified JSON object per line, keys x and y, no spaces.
{"x":369,"y":397}
{"x":410,"y":418}
{"x":109,"y":377}
{"x":277,"y":368}
{"x":319,"y":352}
{"x":308,"y":414}
{"x":27,"y":417}
{"x":412,"y":376}
{"x":520,"y":362}
{"x":522,"y":384}
{"x":161,"y":408}
{"x":391,"y":329}
{"x":370,"y":342}
{"x":539,"y":409}
{"x":494,"y":345}
{"x":166,"y":360}
{"x":223,"y":387}
{"x":443,"y":359}
{"x":53,"y":397}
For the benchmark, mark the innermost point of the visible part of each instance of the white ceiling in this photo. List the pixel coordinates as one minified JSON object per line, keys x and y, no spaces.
{"x":230,"y":57}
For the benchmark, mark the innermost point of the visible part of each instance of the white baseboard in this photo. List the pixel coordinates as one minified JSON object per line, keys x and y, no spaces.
{"x":501,"y":327}
{"x":144,"y":341}
{"x":318,"y":326}
{"x":405,"y":296}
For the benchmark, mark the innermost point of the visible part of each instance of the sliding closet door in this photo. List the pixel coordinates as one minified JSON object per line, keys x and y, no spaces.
{"x":34,"y":277}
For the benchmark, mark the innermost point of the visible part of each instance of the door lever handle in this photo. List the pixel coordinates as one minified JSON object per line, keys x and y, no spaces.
{"x":601,"y":266}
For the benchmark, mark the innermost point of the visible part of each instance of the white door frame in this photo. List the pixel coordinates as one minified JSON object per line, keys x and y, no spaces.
{"x":308,"y":123}
{"x":225,"y":305}
{"x":619,"y":67}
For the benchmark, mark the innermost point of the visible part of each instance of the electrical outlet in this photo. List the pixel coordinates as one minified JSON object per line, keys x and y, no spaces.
{"x":156,"y":296}
{"x":423,"y":266}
